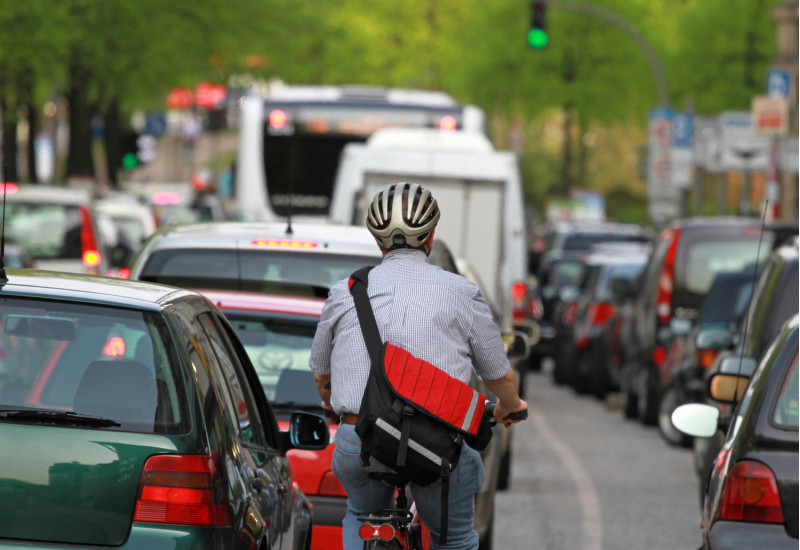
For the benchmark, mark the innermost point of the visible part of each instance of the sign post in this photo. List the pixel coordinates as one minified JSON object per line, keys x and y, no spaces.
{"x":662,"y":197}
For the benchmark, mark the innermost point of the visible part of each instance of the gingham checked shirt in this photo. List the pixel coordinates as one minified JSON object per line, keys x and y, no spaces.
{"x":436,"y":315}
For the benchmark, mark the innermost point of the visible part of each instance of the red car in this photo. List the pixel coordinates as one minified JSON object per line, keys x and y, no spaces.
{"x":277,"y":332}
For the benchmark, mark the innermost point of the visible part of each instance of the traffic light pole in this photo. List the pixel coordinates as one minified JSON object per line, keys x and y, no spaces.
{"x":611,"y":17}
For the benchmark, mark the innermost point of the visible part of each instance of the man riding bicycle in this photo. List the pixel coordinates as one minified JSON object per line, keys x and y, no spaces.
{"x":437,"y":316}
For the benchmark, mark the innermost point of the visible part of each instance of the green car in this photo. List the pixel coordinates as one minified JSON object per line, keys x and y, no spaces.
{"x":131,"y":417}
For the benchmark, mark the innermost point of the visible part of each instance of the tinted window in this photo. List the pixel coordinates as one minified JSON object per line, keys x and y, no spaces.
{"x":704,"y":259}
{"x":242,"y":404}
{"x":107,"y":362}
{"x":279,"y":349}
{"x":45,"y":231}
{"x":249,"y":268}
{"x":564,"y":273}
{"x":786,"y":408}
{"x":727,"y":299}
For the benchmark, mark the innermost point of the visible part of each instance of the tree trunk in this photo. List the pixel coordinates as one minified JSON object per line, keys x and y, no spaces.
{"x":79,"y":155}
{"x":566,"y":171}
{"x":26,"y":100}
{"x":111,"y":122}
{"x":8,"y":112}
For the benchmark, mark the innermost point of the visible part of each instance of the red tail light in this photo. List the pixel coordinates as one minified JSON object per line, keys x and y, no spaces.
{"x":518,"y":291}
{"x":383,"y":532}
{"x":181,"y":490}
{"x":666,"y":280}
{"x":570,"y":313}
{"x":535,"y":307}
{"x":330,"y":486}
{"x":751,"y":494}
{"x":124,"y":273}
{"x":659,"y":355}
{"x":601,"y":312}
{"x":90,"y":254}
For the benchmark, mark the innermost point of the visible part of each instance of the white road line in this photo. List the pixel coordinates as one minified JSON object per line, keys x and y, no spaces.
{"x":584,"y":486}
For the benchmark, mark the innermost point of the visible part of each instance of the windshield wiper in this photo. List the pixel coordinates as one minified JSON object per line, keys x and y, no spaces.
{"x":55,"y":417}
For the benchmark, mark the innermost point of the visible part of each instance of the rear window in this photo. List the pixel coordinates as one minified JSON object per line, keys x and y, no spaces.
{"x":45,"y":231}
{"x":114,"y":364}
{"x":248,"y":268}
{"x":279,"y":348}
{"x":584,"y":241}
{"x":564,"y":273}
{"x":704,"y":259}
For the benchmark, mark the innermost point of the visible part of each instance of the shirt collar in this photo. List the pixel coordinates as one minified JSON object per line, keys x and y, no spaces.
{"x":405,"y":254}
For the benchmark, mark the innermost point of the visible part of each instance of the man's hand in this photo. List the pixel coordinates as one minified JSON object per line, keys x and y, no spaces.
{"x":501,"y":410}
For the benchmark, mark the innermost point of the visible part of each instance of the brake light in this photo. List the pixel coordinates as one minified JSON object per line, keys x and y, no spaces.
{"x":124,"y":273}
{"x":601,"y":312}
{"x":277,"y":119}
{"x":666,"y":279}
{"x":705,"y":357}
{"x":751,"y":494}
{"x":448,"y":124}
{"x":163,"y":198}
{"x":518,"y":291}
{"x":383,"y":532}
{"x":284,"y":243}
{"x":8,"y":188}
{"x":89,"y":252}
{"x":331,"y":486}
{"x":659,"y":355}
{"x":535,"y":307}
{"x":115,"y":347}
{"x":183,"y":490}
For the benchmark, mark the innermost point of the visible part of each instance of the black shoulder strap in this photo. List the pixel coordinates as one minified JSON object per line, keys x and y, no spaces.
{"x":366,"y":317}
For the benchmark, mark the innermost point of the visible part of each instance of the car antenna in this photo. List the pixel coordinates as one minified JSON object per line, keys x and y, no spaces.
{"x":3,"y":276}
{"x":289,"y":230}
{"x":752,"y":292}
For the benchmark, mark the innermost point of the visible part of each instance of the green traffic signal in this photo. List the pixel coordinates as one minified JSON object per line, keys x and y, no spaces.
{"x":129,"y":161}
{"x":538,"y":39}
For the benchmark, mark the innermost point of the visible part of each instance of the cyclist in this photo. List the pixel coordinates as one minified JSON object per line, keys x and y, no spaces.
{"x":437,"y":316}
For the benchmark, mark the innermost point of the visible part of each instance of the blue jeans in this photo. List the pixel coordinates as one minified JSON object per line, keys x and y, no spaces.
{"x":366,"y":495}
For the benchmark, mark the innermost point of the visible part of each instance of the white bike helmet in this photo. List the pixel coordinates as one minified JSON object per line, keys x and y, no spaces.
{"x":404,"y":223}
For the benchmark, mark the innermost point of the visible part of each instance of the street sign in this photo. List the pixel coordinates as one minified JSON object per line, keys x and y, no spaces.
{"x":770,"y":115}
{"x":682,"y":138}
{"x":683,"y":129}
{"x":741,"y":148}
{"x":778,"y":82}
{"x":707,"y":142}
{"x":662,"y":194}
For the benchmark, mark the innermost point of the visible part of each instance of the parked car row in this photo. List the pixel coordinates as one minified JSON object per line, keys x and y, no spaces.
{"x":713,"y":303}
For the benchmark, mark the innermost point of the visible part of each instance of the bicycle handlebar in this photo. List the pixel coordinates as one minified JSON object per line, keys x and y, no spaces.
{"x":489,"y":412}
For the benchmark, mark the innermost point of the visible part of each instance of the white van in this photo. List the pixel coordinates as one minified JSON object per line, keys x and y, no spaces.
{"x":478,"y":190}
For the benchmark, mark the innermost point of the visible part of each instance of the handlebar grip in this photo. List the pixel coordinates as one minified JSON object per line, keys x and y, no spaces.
{"x":519,"y":415}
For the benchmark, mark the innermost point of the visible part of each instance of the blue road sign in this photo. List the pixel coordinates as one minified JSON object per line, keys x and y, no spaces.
{"x":683,"y":129}
{"x":778,"y":83}
{"x":155,"y":124}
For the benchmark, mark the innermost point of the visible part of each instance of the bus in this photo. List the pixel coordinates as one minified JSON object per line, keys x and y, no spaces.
{"x":291,"y":138}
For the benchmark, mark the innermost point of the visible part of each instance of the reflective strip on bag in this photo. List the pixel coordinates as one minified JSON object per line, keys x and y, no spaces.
{"x":415,"y":446}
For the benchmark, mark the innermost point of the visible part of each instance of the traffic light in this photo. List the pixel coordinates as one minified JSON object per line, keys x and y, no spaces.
{"x":129,"y":149}
{"x":537,"y":35}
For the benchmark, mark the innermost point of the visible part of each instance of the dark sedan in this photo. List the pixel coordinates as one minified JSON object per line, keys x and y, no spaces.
{"x":138,"y":422}
{"x":752,"y":497}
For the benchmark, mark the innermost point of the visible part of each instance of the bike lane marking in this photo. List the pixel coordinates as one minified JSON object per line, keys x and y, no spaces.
{"x":592,"y":517}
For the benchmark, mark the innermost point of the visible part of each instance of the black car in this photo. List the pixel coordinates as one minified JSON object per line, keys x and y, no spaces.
{"x":752,"y":495}
{"x":775,"y":300}
{"x":686,"y":258}
{"x":138,"y":421}
{"x":556,"y":262}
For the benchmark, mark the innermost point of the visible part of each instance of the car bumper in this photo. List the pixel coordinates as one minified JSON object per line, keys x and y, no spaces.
{"x":328,"y":510}
{"x":749,"y":536}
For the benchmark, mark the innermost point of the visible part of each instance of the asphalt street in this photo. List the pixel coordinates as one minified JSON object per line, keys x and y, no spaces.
{"x":585,"y":478}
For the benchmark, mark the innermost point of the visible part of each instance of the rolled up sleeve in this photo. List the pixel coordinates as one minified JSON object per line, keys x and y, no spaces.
{"x":486,"y":343}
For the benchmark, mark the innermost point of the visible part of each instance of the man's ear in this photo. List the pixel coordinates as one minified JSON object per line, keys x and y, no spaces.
{"x":429,"y":242}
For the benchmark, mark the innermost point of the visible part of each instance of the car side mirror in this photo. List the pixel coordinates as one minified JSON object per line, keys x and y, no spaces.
{"x":307,"y":431}
{"x":740,"y":366}
{"x":680,"y":327}
{"x":696,"y":419}
{"x":713,"y":337}
{"x":529,"y":328}
{"x":727,"y":388}
{"x":517,"y":344}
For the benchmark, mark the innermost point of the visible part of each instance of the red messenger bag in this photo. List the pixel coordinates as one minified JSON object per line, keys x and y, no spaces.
{"x":414,"y":417}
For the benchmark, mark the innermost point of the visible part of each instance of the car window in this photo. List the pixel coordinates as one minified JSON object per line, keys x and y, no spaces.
{"x":231,"y":268}
{"x":584,"y":241}
{"x":247,"y":423}
{"x":45,"y":231}
{"x":785,"y":414}
{"x":704,"y":259}
{"x":279,"y":349}
{"x":114,"y":363}
{"x":564,"y":273}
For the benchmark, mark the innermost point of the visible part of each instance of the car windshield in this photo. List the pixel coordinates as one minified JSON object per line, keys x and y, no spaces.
{"x":279,"y":348}
{"x":44,"y":231}
{"x":785,"y":414}
{"x":87,"y":361}
{"x":229,"y":267}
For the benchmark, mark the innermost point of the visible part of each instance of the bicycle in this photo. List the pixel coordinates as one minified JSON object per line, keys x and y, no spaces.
{"x":399,"y":528}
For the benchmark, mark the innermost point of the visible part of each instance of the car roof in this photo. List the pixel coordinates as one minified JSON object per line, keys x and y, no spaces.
{"x":256,"y":301}
{"x":88,"y":288}
{"x":48,"y":194}
{"x":308,"y":238}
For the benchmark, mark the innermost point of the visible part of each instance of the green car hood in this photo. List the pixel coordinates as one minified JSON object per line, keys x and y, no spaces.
{"x":71,"y":485}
